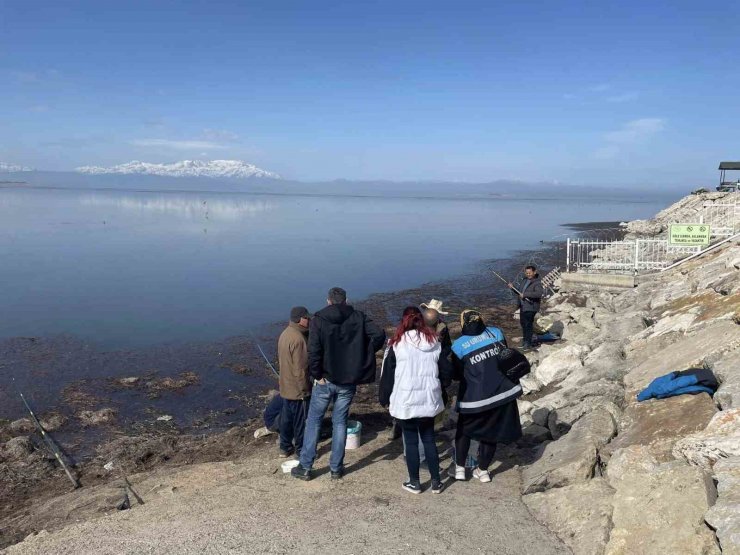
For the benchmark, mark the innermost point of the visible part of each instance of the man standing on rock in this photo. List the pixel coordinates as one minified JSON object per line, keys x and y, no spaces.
{"x":341,"y":354}
{"x":529,"y":303}
{"x":295,"y":386}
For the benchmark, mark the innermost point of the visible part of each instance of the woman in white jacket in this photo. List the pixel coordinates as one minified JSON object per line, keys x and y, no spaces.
{"x":411,"y":383}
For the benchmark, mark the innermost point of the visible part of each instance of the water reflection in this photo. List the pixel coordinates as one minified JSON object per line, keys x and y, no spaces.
{"x":196,"y":207}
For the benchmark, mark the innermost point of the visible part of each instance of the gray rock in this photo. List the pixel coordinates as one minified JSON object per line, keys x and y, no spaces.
{"x":635,"y":459}
{"x":659,"y":423}
{"x":573,"y":457}
{"x":561,"y":363}
{"x":584,"y":316}
{"x":720,"y":440}
{"x":535,"y":434}
{"x":540,"y":415}
{"x":727,"y":370}
{"x":605,"y":362}
{"x":580,"y":334}
{"x":724,"y":516}
{"x":560,"y":421}
{"x":580,"y":514}
{"x":603,"y":389}
{"x":663,"y":512}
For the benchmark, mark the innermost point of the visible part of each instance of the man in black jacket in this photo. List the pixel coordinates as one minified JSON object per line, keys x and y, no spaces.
{"x":529,"y":303}
{"x":342,"y":343}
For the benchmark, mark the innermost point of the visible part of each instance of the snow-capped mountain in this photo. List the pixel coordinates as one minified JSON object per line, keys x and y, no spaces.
{"x":7,"y":168}
{"x":186,"y":168}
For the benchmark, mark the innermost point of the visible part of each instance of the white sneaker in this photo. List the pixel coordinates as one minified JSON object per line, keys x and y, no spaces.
{"x":482,"y":475}
{"x":459,"y":472}
{"x":262,"y":432}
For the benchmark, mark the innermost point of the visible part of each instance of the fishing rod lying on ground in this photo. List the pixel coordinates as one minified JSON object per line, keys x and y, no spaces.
{"x":508,"y":283}
{"x":50,"y":442}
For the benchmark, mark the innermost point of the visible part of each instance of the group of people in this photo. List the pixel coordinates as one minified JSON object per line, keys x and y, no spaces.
{"x":325,"y":356}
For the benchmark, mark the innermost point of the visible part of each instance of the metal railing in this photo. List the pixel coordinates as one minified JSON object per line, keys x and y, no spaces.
{"x":623,"y":257}
{"x":722,"y":217}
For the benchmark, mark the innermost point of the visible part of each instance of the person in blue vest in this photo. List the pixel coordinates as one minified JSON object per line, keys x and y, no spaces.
{"x":486,"y":399}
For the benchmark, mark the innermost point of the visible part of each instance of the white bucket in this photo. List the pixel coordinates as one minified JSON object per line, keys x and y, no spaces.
{"x":287,"y":466}
{"x":354,"y":434}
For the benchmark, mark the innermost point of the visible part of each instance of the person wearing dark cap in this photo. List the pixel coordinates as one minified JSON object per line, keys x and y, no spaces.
{"x":341,"y":355}
{"x":295,"y":385}
{"x":486,"y":400}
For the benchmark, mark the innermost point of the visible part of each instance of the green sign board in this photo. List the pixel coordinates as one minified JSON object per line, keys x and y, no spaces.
{"x":689,"y":235}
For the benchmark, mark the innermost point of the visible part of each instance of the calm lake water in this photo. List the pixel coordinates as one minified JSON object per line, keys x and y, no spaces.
{"x":124,"y":269}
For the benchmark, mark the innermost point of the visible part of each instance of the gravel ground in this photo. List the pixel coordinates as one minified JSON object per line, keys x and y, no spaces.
{"x":249,"y":506}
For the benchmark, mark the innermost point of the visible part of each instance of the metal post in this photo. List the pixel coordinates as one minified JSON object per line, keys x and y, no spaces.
{"x":567,"y":256}
{"x":637,"y":253}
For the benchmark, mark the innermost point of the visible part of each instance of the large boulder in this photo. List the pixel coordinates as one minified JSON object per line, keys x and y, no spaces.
{"x":720,"y":440}
{"x":572,"y":458}
{"x":659,"y":423}
{"x":605,"y":362}
{"x":727,"y":370}
{"x":690,"y":351}
{"x":602,"y":389}
{"x":579,"y":514}
{"x":634,"y":459}
{"x":724,"y":516}
{"x":561,"y":420}
{"x":662,"y":512}
{"x":561,"y":363}
{"x":578,"y":334}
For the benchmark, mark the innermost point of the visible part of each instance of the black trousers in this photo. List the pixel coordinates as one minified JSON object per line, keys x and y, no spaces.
{"x":293,"y":424}
{"x":413,"y":429}
{"x":526,"y":319}
{"x":486,"y":451}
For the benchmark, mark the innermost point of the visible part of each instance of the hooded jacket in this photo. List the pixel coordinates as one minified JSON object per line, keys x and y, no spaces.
{"x":482,"y":385}
{"x":342,"y":343}
{"x":532,"y":291}
{"x":412,"y":377}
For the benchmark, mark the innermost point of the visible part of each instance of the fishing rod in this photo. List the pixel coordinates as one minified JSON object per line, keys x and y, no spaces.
{"x":49,"y":442}
{"x":507,"y":282}
{"x":267,"y":360}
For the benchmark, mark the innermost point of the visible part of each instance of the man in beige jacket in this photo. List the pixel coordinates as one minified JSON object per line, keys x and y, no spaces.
{"x":295,"y":385}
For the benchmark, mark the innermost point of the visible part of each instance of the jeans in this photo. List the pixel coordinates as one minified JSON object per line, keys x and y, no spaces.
{"x":486,"y":451}
{"x":413,"y":429}
{"x":526,"y":319}
{"x":322,"y":396}
{"x":293,"y":424}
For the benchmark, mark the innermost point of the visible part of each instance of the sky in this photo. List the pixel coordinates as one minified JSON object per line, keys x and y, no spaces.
{"x":626,"y":93}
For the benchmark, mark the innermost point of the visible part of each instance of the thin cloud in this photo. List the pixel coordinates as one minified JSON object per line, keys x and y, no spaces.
{"x":220,"y":135}
{"x":178,"y":145}
{"x":625,"y":97}
{"x":38,"y":108}
{"x":601,"y":87}
{"x":635,"y":130}
{"x":629,"y":134}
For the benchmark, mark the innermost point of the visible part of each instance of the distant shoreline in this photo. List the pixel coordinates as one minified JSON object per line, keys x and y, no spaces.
{"x":474,"y":196}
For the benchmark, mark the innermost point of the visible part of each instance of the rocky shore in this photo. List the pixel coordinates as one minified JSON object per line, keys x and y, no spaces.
{"x":597,"y":472}
{"x":659,"y":476}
